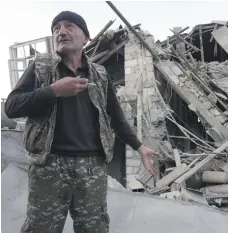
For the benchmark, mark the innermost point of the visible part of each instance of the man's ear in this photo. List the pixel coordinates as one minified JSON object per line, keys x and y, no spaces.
{"x":86,"y":40}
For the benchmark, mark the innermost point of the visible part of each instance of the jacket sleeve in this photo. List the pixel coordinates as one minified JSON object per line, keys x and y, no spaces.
{"x":118,"y":121}
{"x":25,"y":100}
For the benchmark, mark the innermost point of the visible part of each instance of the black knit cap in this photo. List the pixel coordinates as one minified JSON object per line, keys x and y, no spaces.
{"x":72,"y":17}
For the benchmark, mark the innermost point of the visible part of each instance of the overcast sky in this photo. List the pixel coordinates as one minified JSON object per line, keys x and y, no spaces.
{"x":27,"y":20}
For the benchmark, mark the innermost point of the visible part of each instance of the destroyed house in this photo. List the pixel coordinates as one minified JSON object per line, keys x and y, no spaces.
{"x":175,"y":97}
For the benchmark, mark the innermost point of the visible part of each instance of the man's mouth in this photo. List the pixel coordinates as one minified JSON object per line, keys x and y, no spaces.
{"x":63,"y":41}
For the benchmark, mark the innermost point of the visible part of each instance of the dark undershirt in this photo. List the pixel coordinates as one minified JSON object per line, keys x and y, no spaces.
{"x":77,"y":125}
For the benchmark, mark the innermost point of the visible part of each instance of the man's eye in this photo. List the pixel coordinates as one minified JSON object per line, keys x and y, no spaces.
{"x":70,"y":25}
{"x":56,"y":29}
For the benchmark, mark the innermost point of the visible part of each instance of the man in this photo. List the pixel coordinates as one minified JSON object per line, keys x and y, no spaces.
{"x":70,"y":104}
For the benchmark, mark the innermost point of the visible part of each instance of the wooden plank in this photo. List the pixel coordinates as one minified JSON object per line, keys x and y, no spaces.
{"x":168,"y":179}
{"x":177,"y":157}
{"x":192,"y":171}
{"x":185,"y":41}
{"x":103,"y":30}
{"x":201,"y":43}
{"x":106,"y":57}
{"x":142,"y":40}
{"x":99,"y":56}
{"x":213,"y":31}
{"x":43,"y":39}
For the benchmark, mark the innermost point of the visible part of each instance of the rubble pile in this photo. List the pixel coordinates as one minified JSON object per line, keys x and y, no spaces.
{"x":196,"y":173}
{"x":218,"y":77}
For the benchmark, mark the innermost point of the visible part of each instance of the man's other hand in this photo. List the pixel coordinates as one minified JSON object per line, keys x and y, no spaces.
{"x":146,"y":158}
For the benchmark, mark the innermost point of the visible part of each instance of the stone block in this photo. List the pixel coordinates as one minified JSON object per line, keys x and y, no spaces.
{"x":130,"y":177}
{"x":150,"y":91}
{"x":131,"y":56}
{"x":203,"y":100}
{"x":128,"y":70}
{"x":187,"y":83}
{"x":130,"y":63}
{"x":133,"y":70}
{"x":129,"y":153}
{"x":221,"y":119}
{"x":214,"y":112}
{"x":181,"y":84}
{"x":148,"y":54}
{"x":136,"y":169}
{"x":130,"y":77}
{"x":133,"y":162}
{"x":197,"y":94}
{"x":150,"y":75}
{"x":201,"y":93}
{"x":130,"y":170}
{"x":148,"y":67}
{"x":131,"y":48}
{"x":148,"y":60}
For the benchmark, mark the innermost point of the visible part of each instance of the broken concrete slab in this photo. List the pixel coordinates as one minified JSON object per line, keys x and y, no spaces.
{"x":166,"y":69}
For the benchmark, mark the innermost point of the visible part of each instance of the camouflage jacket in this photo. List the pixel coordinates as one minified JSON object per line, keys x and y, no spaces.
{"x":39,"y":132}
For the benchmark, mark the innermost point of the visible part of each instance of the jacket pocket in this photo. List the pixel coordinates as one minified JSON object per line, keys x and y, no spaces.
{"x":35,"y":137}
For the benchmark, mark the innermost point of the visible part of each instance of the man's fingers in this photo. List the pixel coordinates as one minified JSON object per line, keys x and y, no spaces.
{"x":150,"y":170}
{"x":155,"y":153}
{"x":148,"y":165}
{"x":81,"y":86}
{"x":81,"y":80}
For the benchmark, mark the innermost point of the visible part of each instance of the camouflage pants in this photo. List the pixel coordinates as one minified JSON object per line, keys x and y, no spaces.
{"x":77,"y":185}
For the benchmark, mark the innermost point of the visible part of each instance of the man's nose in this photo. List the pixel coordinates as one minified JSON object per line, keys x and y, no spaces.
{"x":62,"y":31}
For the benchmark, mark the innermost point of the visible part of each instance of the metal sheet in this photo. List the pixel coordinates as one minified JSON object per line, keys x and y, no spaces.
{"x":221,"y":36}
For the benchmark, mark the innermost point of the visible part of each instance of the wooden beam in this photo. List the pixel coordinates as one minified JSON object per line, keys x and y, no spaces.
{"x":168,"y":179}
{"x":103,"y":30}
{"x":201,"y":43}
{"x":99,"y":56}
{"x":105,"y":58}
{"x":144,"y":43}
{"x":192,"y":171}
{"x":177,"y":157}
{"x":185,"y":41}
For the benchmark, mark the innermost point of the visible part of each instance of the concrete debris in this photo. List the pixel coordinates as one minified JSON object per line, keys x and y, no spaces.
{"x":171,"y":195}
{"x":198,"y":82}
{"x":192,"y":196}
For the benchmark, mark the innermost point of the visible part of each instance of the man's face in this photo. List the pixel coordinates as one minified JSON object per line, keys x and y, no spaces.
{"x":68,"y":37}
